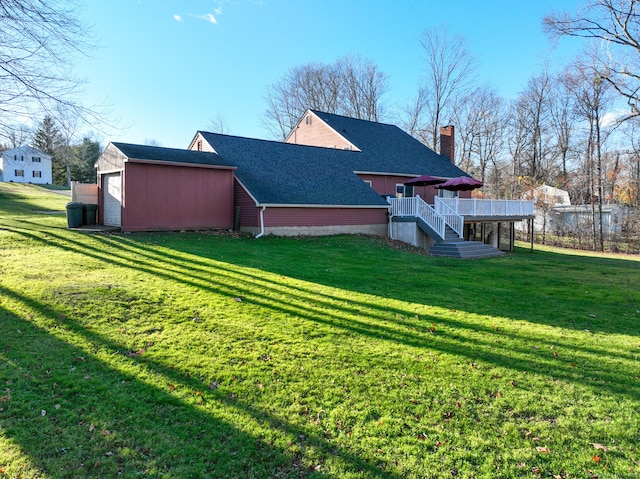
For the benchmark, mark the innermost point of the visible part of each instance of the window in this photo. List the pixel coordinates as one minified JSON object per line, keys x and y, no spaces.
{"x":37,"y":174}
{"x":369,"y":183}
{"x":21,"y":158}
{"x":442,"y":193}
{"x":19,"y":172}
{"x":36,"y":159}
{"x":307,"y":120}
{"x":199,"y":145}
{"x":403,"y":191}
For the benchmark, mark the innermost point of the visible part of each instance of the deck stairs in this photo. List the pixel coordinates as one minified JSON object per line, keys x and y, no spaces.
{"x":447,"y":241}
{"x":455,"y":247}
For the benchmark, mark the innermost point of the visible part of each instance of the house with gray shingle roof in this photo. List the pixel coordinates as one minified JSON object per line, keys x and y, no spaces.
{"x":332,"y":175}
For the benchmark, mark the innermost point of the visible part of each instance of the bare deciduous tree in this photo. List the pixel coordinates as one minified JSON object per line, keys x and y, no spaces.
{"x":481,"y":127}
{"x":585,"y":81}
{"x":350,"y":86}
{"x":449,"y":71}
{"x":616,"y":22}
{"x":38,"y":39}
{"x":219,"y":124}
{"x":535,"y":155}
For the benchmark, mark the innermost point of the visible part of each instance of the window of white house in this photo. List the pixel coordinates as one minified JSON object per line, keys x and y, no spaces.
{"x":403,"y":191}
{"x":36,"y":159}
{"x":21,"y":158}
{"x":19,"y":172}
{"x":37,"y":174}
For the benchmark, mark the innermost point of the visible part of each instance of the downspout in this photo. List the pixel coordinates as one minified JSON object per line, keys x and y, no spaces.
{"x":391,"y":222}
{"x":261,"y":222}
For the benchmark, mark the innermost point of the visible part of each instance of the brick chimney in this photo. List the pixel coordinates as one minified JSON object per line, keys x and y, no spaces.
{"x":447,"y":142}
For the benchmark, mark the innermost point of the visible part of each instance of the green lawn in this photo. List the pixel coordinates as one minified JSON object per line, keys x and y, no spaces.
{"x":187,"y":355}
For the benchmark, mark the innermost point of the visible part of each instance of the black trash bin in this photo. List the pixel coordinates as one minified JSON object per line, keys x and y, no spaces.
{"x":89,"y":214}
{"x":75,"y":212}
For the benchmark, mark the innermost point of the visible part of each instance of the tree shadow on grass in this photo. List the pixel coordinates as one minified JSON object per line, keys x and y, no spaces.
{"x":545,"y":288}
{"x":76,"y":414}
{"x":334,"y":312}
{"x":596,"y":366}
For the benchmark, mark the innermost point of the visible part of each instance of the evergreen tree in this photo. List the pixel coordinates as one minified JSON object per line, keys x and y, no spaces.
{"x":49,"y":140}
{"x":84,"y":157}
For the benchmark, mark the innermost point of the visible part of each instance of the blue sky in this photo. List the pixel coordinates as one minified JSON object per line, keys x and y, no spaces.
{"x":166,"y":68}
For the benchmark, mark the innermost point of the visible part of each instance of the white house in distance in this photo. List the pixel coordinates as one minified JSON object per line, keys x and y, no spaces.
{"x":25,"y":165}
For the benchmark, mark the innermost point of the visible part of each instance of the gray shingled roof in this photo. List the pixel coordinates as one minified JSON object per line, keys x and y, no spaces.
{"x":280,"y":173}
{"x":388,"y":149}
{"x":175,"y":155}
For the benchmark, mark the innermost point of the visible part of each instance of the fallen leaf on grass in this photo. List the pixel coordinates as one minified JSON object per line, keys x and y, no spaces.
{"x":596,"y":458}
{"x":43,"y":412}
{"x":238,"y":300}
{"x":542,"y":449}
{"x":600,"y":446}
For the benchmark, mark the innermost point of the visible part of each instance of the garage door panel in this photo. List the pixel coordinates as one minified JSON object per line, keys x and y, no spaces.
{"x":112,"y":199}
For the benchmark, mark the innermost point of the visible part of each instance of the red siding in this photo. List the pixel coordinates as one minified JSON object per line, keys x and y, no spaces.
{"x":249,"y":212}
{"x":324,"y":216}
{"x":160,"y":197}
{"x":386,"y":185}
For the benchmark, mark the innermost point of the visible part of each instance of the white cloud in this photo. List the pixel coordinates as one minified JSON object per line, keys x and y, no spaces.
{"x":177,"y":18}
{"x":207,"y":17}
{"x":611,"y":118}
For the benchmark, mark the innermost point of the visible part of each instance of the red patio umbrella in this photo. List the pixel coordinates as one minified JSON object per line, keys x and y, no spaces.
{"x":424,"y":180}
{"x":460,"y":183}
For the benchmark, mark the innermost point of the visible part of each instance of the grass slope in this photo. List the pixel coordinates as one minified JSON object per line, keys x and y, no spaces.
{"x":203,"y":355}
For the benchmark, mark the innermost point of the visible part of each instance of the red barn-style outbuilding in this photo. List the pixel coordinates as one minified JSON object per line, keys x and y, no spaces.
{"x":146,"y":188}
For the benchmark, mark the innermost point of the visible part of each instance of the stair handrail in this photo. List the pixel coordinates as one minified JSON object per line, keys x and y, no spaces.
{"x":451,"y":216}
{"x":429,"y":215}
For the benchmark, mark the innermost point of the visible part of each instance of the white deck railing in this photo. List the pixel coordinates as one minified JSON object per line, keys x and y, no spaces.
{"x":430,"y":216}
{"x":470,"y":207}
{"x":453,"y":211}
{"x":417,"y":207}
{"x":451,"y":217}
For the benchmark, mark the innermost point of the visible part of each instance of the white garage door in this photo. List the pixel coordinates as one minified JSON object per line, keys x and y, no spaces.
{"x":112,"y":199}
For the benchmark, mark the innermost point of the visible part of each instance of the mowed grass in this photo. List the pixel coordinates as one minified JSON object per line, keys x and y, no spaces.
{"x":202,"y":355}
